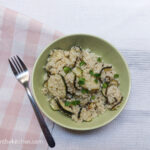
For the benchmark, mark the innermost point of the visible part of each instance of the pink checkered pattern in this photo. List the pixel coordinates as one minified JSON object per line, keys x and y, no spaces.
{"x":25,"y":37}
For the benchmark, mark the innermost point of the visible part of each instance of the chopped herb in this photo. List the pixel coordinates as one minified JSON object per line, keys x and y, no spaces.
{"x":67,"y":69}
{"x":97,"y":75}
{"x":84,"y":91}
{"x":91,"y":72}
{"x":75,"y":102}
{"x":82,"y":63}
{"x":99,"y":59}
{"x":67,"y":103}
{"x":92,"y":97}
{"x":81,"y":81}
{"x":116,"y":76}
{"x":94,"y":74}
{"x":104,"y":85}
{"x":96,"y":80}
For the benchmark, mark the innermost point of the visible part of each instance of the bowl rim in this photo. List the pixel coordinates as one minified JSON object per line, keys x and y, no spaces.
{"x":67,"y":126}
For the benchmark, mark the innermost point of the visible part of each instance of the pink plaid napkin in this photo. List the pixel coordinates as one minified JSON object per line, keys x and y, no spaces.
{"x":26,"y":37}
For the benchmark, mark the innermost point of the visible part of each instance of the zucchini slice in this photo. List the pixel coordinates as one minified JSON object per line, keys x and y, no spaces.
{"x":91,"y":83}
{"x":66,"y":87}
{"x":69,"y":83}
{"x":104,"y":74}
{"x":67,"y":110}
{"x":113,"y":94}
{"x":79,"y":113}
{"x":74,"y":82}
{"x":111,"y":100}
{"x":114,"y":82}
{"x":111,"y":86}
{"x":104,"y":92}
{"x":77,"y":71}
{"x":56,"y":86}
{"x":54,"y":105}
{"x":109,"y":68}
{"x":114,"y":106}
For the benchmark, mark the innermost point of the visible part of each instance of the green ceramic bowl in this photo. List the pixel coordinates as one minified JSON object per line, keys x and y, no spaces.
{"x":100,"y":47}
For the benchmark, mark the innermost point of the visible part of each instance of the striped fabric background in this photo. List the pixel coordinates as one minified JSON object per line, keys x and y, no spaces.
{"x":25,"y":37}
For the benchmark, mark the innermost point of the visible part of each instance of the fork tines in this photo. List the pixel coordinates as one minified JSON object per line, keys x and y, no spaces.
{"x":17,"y":65}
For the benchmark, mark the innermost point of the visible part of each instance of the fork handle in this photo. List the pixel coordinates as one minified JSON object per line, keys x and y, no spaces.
{"x":41,"y":120}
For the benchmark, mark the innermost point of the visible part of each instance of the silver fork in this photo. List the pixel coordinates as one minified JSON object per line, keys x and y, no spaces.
{"x":22,"y":74}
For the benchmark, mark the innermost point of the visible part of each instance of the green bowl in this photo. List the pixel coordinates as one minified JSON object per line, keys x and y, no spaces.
{"x":109,"y":55}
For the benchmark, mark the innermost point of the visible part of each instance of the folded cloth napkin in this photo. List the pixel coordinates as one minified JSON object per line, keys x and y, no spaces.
{"x":25,"y":37}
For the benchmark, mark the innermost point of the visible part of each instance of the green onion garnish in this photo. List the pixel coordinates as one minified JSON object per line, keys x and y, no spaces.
{"x":91,"y":72}
{"x":92,"y":97}
{"x":67,"y":69}
{"x":97,"y":75}
{"x":99,"y":59}
{"x":94,"y":74}
{"x":67,"y":103}
{"x":75,"y":102}
{"x":82,"y":63}
{"x":104,"y":85}
{"x":81,"y":81}
{"x":84,"y":91}
{"x":96,"y":80}
{"x":116,"y":76}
